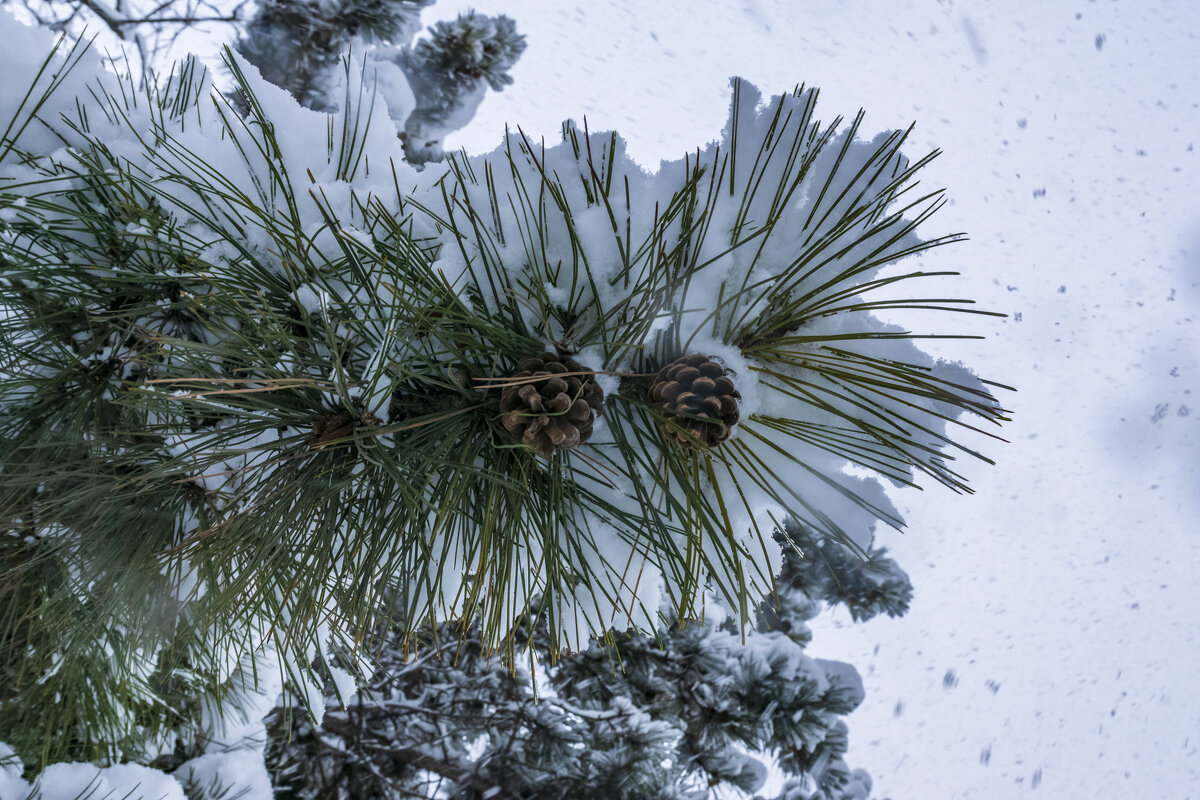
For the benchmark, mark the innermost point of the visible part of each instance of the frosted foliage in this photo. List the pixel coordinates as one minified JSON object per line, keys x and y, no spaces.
{"x":433,"y":86}
{"x":845,"y":679}
{"x":318,"y":263}
{"x":674,"y":714}
{"x":711,"y":313}
{"x":297,"y":43}
{"x":826,"y":207}
{"x":26,"y":54}
{"x":451,"y":71}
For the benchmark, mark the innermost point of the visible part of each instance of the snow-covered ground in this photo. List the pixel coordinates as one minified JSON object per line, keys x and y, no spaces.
{"x":1053,"y":647}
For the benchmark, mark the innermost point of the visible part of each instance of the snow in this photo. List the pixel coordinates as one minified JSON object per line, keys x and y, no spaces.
{"x":846,"y":677}
{"x":389,"y":81}
{"x":27,"y":63}
{"x":219,"y":775}
{"x":11,"y":784}
{"x":345,"y":685}
{"x":72,"y":781}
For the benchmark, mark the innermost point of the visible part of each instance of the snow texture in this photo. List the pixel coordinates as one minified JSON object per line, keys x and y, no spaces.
{"x":218,"y":775}
{"x":72,"y":781}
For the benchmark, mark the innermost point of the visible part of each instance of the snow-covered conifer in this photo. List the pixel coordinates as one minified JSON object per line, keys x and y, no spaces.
{"x":268,"y":386}
{"x":450,"y":73}
{"x":300,"y":44}
{"x":297,"y":44}
{"x":867,"y":583}
{"x":688,"y":708}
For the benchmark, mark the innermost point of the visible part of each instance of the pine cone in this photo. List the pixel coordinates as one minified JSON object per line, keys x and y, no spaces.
{"x":552,"y":413}
{"x":195,"y":494}
{"x":338,"y":425}
{"x":698,"y":399}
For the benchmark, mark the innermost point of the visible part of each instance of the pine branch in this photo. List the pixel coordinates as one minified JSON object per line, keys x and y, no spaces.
{"x":253,"y":390}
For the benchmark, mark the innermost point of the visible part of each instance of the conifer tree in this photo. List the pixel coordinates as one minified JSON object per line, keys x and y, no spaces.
{"x":435,"y":82}
{"x":269,"y":391}
{"x":299,"y":46}
{"x":691,"y":708}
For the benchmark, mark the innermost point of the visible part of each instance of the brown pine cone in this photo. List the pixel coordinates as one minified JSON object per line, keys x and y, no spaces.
{"x":551,"y":413}
{"x":195,"y":494}
{"x":338,"y":425}
{"x":698,"y":399}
